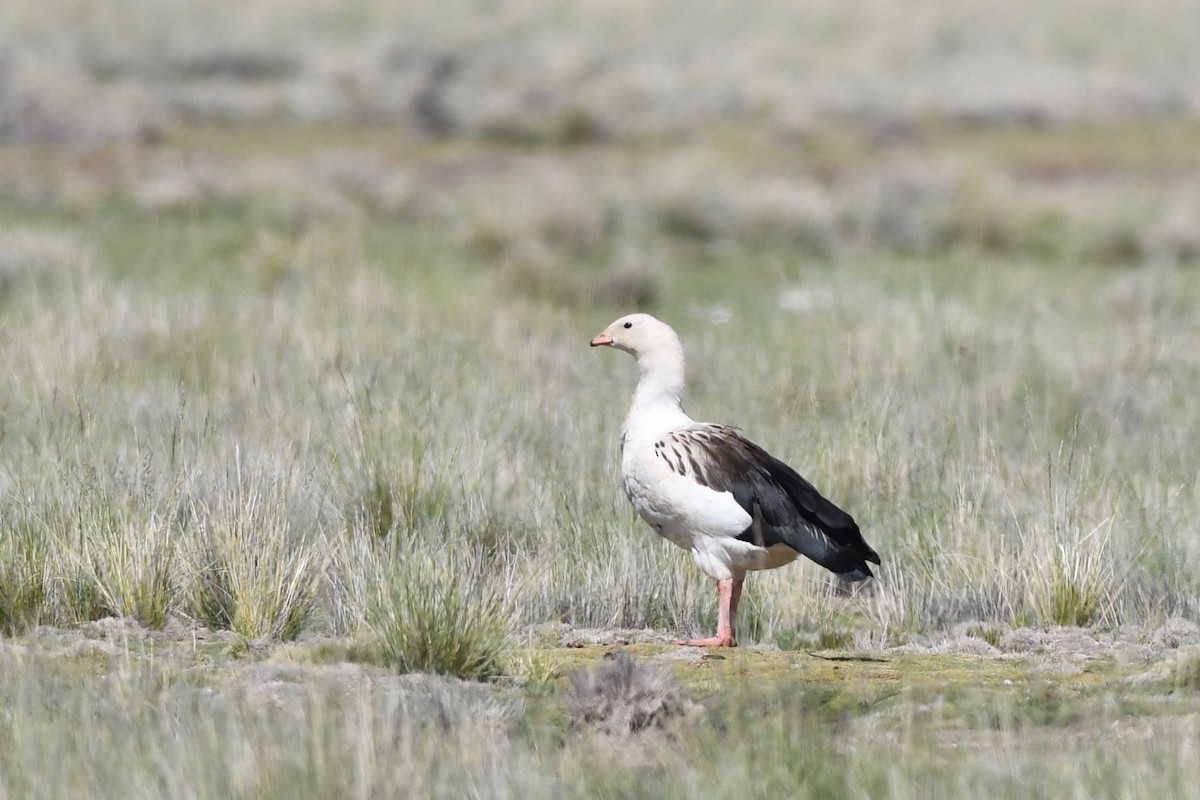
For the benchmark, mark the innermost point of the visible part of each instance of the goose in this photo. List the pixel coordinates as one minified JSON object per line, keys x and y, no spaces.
{"x":710,"y":490}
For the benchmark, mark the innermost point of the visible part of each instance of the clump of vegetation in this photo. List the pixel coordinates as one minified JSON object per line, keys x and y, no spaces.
{"x":988,"y":633}
{"x":1076,"y":582}
{"x":133,"y":564}
{"x":623,"y":696}
{"x":1067,"y":593}
{"x":441,"y":615}
{"x":250,"y":571}
{"x":23,"y":576}
{"x":538,"y":669}
{"x":1186,"y":674}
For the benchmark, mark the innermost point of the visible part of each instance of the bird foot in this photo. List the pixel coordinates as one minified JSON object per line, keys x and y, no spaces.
{"x":712,"y":641}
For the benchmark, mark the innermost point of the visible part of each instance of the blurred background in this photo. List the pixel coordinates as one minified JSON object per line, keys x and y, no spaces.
{"x":544,"y":132}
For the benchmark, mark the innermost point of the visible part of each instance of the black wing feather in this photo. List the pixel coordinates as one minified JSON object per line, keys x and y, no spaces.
{"x":789,"y":510}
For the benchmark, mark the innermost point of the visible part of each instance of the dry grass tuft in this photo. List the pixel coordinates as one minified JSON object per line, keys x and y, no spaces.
{"x":442,"y":616}
{"x":624,"y":697}
{"x":249,"y":569}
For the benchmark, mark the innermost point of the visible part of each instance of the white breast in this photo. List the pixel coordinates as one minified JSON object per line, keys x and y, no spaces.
{"x":696,"y":518}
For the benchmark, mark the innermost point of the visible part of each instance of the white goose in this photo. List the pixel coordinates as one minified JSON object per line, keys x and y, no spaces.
{"x":712,"y":491}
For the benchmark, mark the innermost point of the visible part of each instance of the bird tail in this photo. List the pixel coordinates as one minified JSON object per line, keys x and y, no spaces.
{"x":865,"y":552}
{"x":832,"y":538}
{"x":859,"y":573}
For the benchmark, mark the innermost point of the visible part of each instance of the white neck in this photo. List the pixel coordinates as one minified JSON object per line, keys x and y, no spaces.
{"x":658,"y":399}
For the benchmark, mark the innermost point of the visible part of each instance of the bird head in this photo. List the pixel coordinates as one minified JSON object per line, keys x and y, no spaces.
{"x":639,"y":335}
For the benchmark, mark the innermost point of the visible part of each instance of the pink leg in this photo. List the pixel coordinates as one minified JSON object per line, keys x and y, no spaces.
{"x":730,"y":592}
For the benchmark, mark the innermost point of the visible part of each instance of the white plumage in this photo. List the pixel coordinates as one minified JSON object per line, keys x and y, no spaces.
{"x":713,"y":492}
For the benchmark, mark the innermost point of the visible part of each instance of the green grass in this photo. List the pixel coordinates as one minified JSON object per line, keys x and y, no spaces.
{"x":249,"y":571}
{"x":168,"y":720}
{"x":443,"y":618}
{"x":240,"y":425}
{"x":296,"y":403}
{"x":372,"y":427}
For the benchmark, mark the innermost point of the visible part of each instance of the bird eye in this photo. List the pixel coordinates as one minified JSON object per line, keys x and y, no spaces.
{"x":628,"y":325}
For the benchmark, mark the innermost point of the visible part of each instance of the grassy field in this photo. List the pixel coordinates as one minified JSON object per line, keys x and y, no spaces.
{"x":118,"y":711}
{"x":297,"y":405}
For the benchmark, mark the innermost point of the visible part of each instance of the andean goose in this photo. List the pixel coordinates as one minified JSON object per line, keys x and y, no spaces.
{"x":712,"y":491}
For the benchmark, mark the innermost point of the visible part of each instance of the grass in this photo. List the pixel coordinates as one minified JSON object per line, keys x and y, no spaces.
{"x":1187,"y":672}
{"x":249,"y":572}
{"x":442,"y":618}
{"x":309,"y":409}
{"x":905,"y":725}
{"x":353,"y":376}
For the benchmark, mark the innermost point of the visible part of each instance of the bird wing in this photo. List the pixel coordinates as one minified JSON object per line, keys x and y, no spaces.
{"x":785,"y":508}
